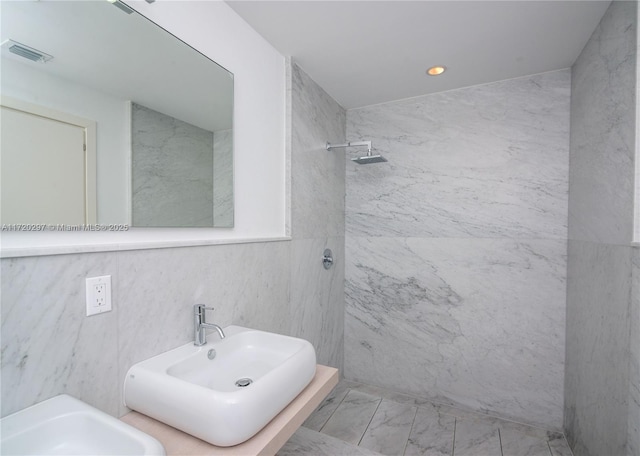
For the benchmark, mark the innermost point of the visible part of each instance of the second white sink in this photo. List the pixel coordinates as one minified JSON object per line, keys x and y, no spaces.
{"x":225,"y":391}
{"x":64,"y":425}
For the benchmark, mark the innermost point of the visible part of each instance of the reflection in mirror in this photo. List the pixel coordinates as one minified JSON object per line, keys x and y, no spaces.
{"x":104,"y":68}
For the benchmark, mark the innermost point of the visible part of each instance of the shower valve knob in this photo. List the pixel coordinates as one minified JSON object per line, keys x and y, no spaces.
{"x":327,"y":259}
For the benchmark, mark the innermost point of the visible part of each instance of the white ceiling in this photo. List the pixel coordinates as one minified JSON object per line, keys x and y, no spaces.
{"x":368,"y":52}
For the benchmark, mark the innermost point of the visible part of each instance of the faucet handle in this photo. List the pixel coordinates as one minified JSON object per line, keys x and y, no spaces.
{"x":202,"y":306}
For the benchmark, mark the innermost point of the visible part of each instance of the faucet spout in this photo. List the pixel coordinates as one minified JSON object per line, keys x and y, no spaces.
{"x":200,"y":325}
{"x":214,"y":326}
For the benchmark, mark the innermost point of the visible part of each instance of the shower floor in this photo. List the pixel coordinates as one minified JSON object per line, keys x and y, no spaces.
{"x":357,"y":419}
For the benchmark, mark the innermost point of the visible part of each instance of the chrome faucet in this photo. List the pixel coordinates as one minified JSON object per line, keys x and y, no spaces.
{"x":200,"y":325}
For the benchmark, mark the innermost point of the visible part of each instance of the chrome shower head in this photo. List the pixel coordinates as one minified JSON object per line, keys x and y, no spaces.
{"x":364,"y":160}
{"x":368,"y":159}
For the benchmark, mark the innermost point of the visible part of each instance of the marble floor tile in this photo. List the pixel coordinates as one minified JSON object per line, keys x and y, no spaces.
{"x":352,"y":417}
{"x":476,"y":438}
{"x":515,"y":443}
{"x":432,"y":434}
{"x":324,"y":411}
{"x":559,"y":446}
{"x":390,"y":423}
{"x":389,"y":429}
{"x":312,"y":443}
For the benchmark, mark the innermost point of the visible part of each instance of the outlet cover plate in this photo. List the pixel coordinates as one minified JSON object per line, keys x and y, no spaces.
{"x":98,"y":292}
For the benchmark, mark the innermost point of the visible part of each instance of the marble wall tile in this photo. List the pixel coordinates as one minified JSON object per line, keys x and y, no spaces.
{"x":603,"y":130}
{"x":49,"y":345}
{"x":633,"y":443}
{"x":317,"y":214}
{"x":223,"y":178}
{"x":317,"y":298}
{"x":474,"y":322}
{"x":597,"y":362}
{"x":172,"y":177}
{"x":317,"y":175}
{"x":485,"y":161}
{"x":600,"y":370}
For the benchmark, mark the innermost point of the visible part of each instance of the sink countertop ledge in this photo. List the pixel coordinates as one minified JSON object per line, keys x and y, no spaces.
{"x":267,"y":442}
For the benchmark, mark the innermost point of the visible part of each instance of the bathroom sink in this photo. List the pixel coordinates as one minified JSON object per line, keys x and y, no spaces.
{"x":64,"y":425}
{"x":223,"y":392}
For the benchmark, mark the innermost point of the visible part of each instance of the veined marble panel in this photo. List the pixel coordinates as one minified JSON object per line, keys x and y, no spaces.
{"x":247,"y":284}
{"x":317,"y":175}
{"x":603,"y":125}
{"x":317,"y":298}
{"x":223,"y":178}
{"x":633,"y":442}
{"x":597,"y":363}
{"x":49,"y":345}
{"x":485,"y":161}
{"x":172,"y":177}
{"x":474,"y":322}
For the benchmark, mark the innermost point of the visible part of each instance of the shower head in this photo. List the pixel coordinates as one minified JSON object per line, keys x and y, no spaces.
{"x":364,"y":160}
{"x":367,"y":159}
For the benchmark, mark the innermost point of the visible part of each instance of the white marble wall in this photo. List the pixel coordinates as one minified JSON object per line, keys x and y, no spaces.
{"x":50,"y":347}
{"x":172,"y":171}
{"x":223,"y":178}
{"x":599,"y":377}
{"x":633,"y":442}
{"x":317,"y":217}
{"x":455,"y":275}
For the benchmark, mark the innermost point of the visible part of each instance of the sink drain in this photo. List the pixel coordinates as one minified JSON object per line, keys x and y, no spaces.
{"x":242,"y":382}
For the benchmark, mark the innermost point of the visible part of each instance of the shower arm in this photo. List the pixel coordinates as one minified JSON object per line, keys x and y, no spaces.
{"x":351,"y":144}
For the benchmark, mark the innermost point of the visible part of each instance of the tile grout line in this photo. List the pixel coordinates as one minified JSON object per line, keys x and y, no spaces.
{"x":455,"y":428}
{"x":334,"y":411}
{"x":369,"y":424}
{"x":404,"y":450}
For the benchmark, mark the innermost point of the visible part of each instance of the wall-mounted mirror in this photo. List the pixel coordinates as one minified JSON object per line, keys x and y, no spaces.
{"x":157,"y":113}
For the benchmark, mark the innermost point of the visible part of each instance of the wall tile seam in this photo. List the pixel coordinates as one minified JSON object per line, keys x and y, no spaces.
{"x":418,"y":97}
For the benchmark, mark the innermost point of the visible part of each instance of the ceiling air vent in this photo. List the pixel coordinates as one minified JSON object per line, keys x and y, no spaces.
{"x":25,"y":51}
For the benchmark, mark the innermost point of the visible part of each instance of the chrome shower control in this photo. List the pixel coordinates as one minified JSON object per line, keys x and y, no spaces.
{"x":327,"y":259}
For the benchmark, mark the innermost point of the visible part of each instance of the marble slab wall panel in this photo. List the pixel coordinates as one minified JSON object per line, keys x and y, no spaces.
{"x":485,"y":161}
{"x":603,"y":127}
{"x":49,"y":345}
{"x":472,"y":322}
{"x":456,"y":248}
{"x":172,"y":171}
{"x":597,"y":363}
{"x":633,"y":442}
{"x":317,"y":298}
{"x":601,"y":379}
{"x":317,"y":175}
{"x":317,"y":215}
{"x":223,"y":178}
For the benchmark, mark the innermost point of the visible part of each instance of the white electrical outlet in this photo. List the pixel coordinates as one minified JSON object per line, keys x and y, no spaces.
{"x":98,"y":295}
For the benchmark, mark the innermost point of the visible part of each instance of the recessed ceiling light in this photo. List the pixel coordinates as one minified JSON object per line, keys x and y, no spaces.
{"x":436,"y":70}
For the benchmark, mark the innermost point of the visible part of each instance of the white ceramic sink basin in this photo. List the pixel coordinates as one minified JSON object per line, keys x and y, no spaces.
{"x":64,"y":425}
{"x":206,"y":398}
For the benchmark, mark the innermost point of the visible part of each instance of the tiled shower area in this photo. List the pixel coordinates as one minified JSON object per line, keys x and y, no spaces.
{"x":358,"y":419}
